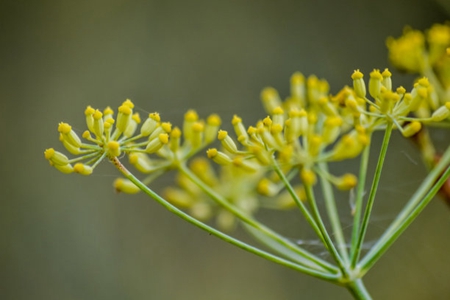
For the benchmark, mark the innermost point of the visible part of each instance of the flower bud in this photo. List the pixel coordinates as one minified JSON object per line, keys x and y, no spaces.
{"x":358,"y":84}
{"x":270,"y":99}
{"x":55,"y":157}
{"x":123,"y":117}
{"x":375,"y":83}
{"x":150,"y":124}
{"x":411,"y":129}
{"x":190,"y":117}
{"x":441,"y":113}
{"x":89,"y":112}
{"x":308,"y":177}
{"x":157,"y":143}
{"x":387,"y":81}
{"x":239,"y":129}
{"x":227,"y":142}
{"x":345,"y":182}
{"x":82,"y":169}
{"x":212,"y":127}
{"x":218,"y":157}
{"x":132,"y":125}
{"x":113,"y":148}
{"x":125,"y":186}
{"x":69,"y":135}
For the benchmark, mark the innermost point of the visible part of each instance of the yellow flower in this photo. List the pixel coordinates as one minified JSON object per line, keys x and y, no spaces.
{"x":102,"y":140}
{"x":407,"y":52}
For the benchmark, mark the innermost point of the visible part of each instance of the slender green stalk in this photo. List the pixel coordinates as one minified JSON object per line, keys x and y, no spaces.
{"x":333,"y":214}
{"x":409,"y":213}
{"x":309,"y":218}
{"x":317,"y":262}
{"x":431,"y":75}
{"x":325,"y":276}
{"x":359,"y":199}
{"x":328,"y":242}
{"x":373,"y":191}
{"x":358,"y":290}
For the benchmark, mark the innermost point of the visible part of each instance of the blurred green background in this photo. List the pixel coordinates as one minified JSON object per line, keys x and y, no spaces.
{"x":71,"y":237}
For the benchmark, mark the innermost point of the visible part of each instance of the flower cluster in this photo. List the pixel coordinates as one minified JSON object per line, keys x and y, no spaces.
{"x":107,"y":137}
{"x":311,"y":126}
{"x":233,"y":184}
{"x":426,"y":54}
{"x":276,"y":162}
{"x":416,"y":51}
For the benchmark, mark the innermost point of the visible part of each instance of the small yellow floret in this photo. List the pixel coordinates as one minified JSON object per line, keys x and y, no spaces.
{"x":166,"y":126}
{"x":113,"y":148}
{"x":64,"y":128}
{"x":357,"y":75}
{"x":411,"y":129}
{"x":439,"y":34}
{"x":191,"y":116}
{"x":375,"y":74}
{"x":155,"y":116}
{"x":222,"y":134}
{"x":346,"y":182}
{"x":175,"y":133}
{"x":136,"y":118}
{"x":243,"y":164}
{"x":164,"y":138}
{"x":198,"y":127}
{"x":108,"y":111}
{"x":267,"y":121}
{"x":441,"y":113}
{"x":97,"y":115}
{"x":214,"y":120}
{"x":125,"y":109}
{"x":308,"y":177}
{"x":82,"y":169}
{"x":125,"y":186}
{"x":236,"y":120}
{"x":252,"y":130}
{"x":56,"y":158}
{"x":386,"y":73}
{"x":86,"y":135}
{"x":297,"y":78}
{"x":48,"y":153}
{"x":423,"y":82}
{"x":128,"y":103}
{"x":211,"y":152}
{"x":89,"y":111}
{"x":401,"y":90}
{"x":278,"y":111}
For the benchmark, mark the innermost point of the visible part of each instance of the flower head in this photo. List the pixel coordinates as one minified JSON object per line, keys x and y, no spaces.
{"x":109,"y":137}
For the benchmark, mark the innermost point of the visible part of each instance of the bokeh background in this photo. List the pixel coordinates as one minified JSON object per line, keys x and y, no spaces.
{"x":72,"y":237}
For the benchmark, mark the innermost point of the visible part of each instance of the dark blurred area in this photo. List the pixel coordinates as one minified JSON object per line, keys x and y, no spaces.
{"x":72,"y":237}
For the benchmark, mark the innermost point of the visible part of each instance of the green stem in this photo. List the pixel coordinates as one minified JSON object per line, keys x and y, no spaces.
{"x":309,"y":218}
{"x":333,"y":215}
{"x":416,"y":204}
{"x":328,"y":242}
{"x":442,"y":94}
{"x":358,"y":290}
{"x":325,"y":276}
{"x":359,"y":199}
{"x":312,"y":260}
{"x":373,"y":191}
